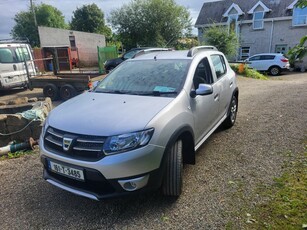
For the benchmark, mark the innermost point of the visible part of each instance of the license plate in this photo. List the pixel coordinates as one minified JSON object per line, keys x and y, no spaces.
{"x":10,"y":80}
{"x":66,"y":171}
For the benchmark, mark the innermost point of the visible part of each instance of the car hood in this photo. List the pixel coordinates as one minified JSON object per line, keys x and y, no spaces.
{"x":104,"y":114}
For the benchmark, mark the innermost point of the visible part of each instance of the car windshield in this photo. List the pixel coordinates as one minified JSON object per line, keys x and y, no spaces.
{"x":146,"y":77}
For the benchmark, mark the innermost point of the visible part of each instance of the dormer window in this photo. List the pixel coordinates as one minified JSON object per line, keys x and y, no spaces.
{"x":258,"y":20}
{"x":258,"y":12}
{"x":299,"y":16}
{"x":233,"y":13}
{"x":233,"y":23}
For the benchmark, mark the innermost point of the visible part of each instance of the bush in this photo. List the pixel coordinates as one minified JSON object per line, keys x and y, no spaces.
{"x":244,"y":70}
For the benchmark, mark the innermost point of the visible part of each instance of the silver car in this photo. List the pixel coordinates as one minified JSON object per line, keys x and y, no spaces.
{"x":137,"y":128}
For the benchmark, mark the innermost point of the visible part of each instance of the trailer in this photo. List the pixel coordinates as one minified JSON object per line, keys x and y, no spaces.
{"x":64,"y":85}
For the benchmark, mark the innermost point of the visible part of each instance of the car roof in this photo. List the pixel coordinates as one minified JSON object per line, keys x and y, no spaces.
{"x":178,"y":54}
{"x":267,"y":54}
{"x":182,"y":54}
{"x":14,"y":44}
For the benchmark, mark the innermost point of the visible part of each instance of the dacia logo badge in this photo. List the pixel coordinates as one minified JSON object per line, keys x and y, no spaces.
{"x":67,"y":143}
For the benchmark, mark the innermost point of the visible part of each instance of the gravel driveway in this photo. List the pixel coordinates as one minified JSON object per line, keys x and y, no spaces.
{"x":218,"y":191}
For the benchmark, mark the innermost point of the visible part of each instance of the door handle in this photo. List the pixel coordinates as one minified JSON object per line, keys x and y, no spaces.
{"x":14,"y":67}
{"x":230,"y":84}
{"x":216,"y":96}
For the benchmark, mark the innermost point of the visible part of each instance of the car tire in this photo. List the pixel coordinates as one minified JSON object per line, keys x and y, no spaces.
{"x":275,"y":70}
{"x":232,"y":113}
{"x":50,"y":90}
{"x":67,"y":91}
{"x":172,"y":183}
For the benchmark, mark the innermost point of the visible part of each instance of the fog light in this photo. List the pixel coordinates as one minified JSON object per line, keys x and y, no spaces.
{"x":130,"y":186}
{"x":134,"y":184}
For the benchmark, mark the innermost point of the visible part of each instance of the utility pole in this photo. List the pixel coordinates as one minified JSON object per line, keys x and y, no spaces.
{"x":33,"y":12}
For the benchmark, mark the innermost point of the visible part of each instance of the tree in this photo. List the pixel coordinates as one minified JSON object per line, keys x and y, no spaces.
{"x":302,"y":3}
{"x":151,"y":22}
{"x":46,"y":15}
{"x":222,"y":38}
{"x":298,"y":52}
{"x":89,"y":18}
{"x":186,"y":43}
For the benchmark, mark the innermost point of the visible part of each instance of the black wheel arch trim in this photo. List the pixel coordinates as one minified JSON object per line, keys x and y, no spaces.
{"x":236,"y":94}
{"x":187,"y":135}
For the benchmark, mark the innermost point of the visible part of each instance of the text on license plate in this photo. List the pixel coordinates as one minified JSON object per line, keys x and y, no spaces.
{"x":12,"y":79}
{"x":67,"y":171}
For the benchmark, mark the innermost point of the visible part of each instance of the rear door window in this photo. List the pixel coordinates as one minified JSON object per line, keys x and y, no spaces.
{"x":267,"y":57}
{"x":219,"y":65}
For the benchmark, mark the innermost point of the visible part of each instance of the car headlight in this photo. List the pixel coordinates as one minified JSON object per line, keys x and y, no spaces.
{"x":44,"y":128}
{"x":126,"y":142}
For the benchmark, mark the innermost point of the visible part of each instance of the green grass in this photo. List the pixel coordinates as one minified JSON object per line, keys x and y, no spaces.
{"x":287,"y":205}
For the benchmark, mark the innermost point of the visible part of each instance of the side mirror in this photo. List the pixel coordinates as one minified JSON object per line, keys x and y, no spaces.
{"x":203,"y":89}
{"x":94,"y":85}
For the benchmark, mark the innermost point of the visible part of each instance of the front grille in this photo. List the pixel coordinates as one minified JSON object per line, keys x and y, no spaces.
{"x":81,"y":147}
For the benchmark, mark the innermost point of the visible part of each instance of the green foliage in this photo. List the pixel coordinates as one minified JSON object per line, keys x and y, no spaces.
{"x":185,"y":43}
{"x":224,"y":40}
{"x":17,"y":154}
{"x":302,"y":3}
{"x":151,"y":23}
{"x":248,"y":72}
{"x":90,"y":18}
{"x":298,"y":51}
{"x":46,"y":15}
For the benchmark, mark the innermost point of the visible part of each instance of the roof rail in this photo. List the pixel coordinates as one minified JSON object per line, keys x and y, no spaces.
{"x":12,"y":40}
{"x":195,"y":49}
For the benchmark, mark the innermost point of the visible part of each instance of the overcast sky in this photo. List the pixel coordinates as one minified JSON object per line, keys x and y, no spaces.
{"x":10,"y":7}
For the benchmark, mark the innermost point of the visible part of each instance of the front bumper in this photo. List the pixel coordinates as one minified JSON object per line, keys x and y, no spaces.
{"x":109,"y":176}
{"x":96,"y":186}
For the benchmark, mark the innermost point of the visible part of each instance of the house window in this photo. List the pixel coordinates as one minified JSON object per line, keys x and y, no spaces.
{"x":281,"y":49}
{"x":72,"y":41}
{"x":258,"y":20}
{"x":299,"y":16}
{"x":244,"y":52}
{"x":232,"y":23}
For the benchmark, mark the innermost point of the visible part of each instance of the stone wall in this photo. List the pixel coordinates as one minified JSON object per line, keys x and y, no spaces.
{"x":13,"y":126}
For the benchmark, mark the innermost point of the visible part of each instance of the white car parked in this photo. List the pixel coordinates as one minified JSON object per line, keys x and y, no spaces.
{"x":274,"y":63}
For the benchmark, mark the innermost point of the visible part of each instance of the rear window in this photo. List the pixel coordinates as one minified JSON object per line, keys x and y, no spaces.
{"x":14,"y":54}
{"x":6,"y":55}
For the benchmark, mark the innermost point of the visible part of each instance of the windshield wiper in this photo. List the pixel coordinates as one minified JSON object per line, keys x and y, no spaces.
{"x":157,"y":93}
{"x":112,"y":91}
